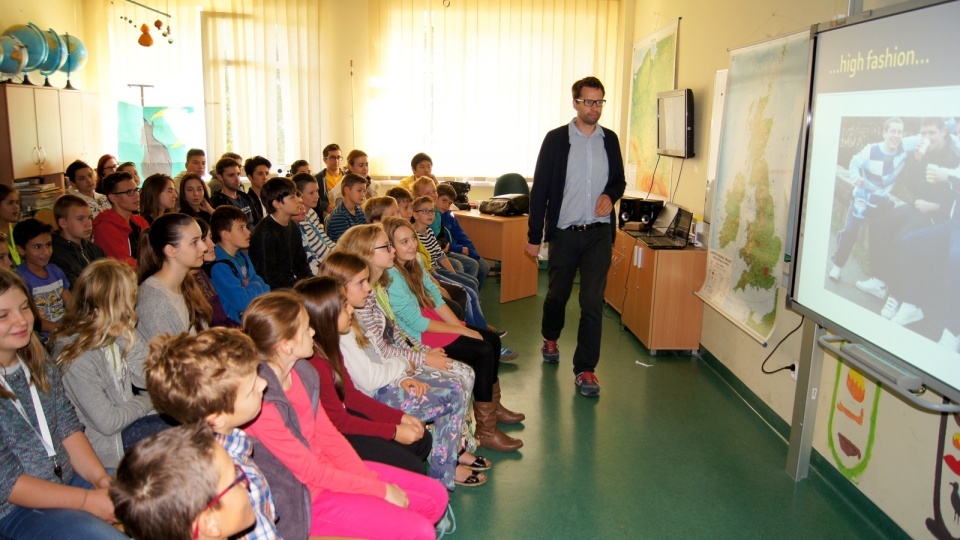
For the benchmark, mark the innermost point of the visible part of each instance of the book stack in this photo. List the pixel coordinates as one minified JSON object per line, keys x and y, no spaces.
{"x":35,"y":197}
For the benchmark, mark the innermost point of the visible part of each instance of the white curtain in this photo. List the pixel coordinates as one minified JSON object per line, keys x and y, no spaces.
{"x":477,"y":84}
{"x":261,"y":79}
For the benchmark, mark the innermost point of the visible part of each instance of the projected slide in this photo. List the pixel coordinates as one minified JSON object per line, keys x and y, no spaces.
{"x":879,"y":252}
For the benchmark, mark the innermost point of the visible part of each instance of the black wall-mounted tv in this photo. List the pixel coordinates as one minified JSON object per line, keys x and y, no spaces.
{"x":675,"y":123}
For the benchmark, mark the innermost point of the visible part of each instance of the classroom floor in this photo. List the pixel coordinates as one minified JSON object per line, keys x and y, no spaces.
{"x":668,"y":451}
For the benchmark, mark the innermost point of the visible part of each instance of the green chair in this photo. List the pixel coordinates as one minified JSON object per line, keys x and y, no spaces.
{"x":511,"y":183}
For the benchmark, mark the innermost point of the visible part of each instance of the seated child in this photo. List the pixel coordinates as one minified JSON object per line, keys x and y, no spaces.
{"x":315,"y":239}
{"x":349,"y":497}
{"x":181,"y":484}
{"x":72,"y":248}
{"x":348,"y":212}
{"x":460,"y":244}
{"x":275,"y":246}
{"x":233,"y":275}
{"x":101,"y":355}
{"x":462,"y":263}
{"x":48,"y":284}
{"x":202,"y":277}
{"x":212,"y":377}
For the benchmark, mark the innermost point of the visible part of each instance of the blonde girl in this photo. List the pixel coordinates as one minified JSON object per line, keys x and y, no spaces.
{"x":54,"y":485}
{"x":100,"y":354}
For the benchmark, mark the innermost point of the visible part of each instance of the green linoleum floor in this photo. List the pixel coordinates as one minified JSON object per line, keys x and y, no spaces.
{"x":667,"y":451}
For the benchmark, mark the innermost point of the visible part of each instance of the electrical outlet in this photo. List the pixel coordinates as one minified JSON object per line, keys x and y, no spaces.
{"x":793,"y":372}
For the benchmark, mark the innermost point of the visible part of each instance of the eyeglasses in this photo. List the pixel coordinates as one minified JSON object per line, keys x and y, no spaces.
{"x":426,"y":211}
{"x":128,"y":193}
{"x":388,"y":247}
{"x":591,"y":102}
{"x":240,"y":479}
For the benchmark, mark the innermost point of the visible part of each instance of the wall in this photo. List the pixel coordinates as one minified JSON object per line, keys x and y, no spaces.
{"x":898,"y":463}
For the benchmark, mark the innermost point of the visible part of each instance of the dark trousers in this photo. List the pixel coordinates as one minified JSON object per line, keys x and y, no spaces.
{"x":589,"y":252}
{"x":409,"y":457}
{"x":483,"y":355}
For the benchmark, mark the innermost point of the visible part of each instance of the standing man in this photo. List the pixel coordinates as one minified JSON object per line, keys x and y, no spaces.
{"x":578,"y":178}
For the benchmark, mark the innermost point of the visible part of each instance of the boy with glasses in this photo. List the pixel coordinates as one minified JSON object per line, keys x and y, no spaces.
{"x":329,"y":177}
{"x":117,"y":229}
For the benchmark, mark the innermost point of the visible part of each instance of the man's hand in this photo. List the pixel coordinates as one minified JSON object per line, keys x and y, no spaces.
{"x":925,"y":207}
{"x":604,"y":206}
{"x":533,"y":250}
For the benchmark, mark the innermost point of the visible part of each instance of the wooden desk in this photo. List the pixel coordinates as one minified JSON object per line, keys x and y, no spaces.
{"x":503,"y":239}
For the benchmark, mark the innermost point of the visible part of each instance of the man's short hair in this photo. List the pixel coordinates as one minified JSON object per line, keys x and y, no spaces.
{"x":350,"y":180}
{"x":276,"y":190}
{"x":418,"y":159}
{"x":296,"y":165}
{"x":232,"y":155}
{"x":223,"y":218}
{"x":225,"y":163}
{"x":165,"y":482}
{"x":373,"y":208}
{"x":251,"y":164}
{"x":936,"y":121}
{"x":446,"y":190}
{"x":193,"y":377}
{"x":29,"y":229}
{"x":63,"y":204}
{"x":421,"y":182}
{"x":195,"y":152}
{"x":589,"y":82}
{"x":400,"y":194}
{"x":109,"y":184}
{"x":891,"y":120}
{"x":330,"y":148}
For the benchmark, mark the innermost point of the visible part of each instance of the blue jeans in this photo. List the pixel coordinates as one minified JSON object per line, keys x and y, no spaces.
{"x":144,"y":427}
{"x":42,"y":524}
{"x":472,"y":311}
{"x":476,"y":268}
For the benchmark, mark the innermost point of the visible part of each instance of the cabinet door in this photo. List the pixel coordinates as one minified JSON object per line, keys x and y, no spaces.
{"x":646,"y":274}
{"x":71,"y":126}
{"x":25,"y":155}
{"x":48,"y":130}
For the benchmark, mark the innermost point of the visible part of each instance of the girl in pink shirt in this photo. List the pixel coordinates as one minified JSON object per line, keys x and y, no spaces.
{"x":349,"y":497}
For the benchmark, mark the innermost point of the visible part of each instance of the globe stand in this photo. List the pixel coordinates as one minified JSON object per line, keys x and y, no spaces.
{"x":46,"y":82}
{"x":26,"y":80}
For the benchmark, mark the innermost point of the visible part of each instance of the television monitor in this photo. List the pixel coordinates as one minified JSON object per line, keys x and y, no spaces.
{"x":877,"y":249}
{"x":675,"y":123}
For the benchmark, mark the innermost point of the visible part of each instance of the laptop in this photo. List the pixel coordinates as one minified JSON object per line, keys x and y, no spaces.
{"x":671,"y":230}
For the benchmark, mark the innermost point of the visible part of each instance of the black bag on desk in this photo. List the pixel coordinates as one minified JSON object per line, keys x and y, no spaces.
{"x":511,"y":204}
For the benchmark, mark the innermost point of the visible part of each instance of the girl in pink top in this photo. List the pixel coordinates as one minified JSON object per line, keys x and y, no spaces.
{"x":349,"y":497}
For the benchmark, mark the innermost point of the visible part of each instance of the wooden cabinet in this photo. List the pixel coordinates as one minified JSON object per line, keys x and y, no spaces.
{"x":660,"y":307}
{"x":616,"y":290}
{"x":30,"y":119}
{"x":79,"y":126}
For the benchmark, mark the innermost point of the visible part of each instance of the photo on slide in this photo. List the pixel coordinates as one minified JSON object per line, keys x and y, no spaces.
{"x":892,"y":221}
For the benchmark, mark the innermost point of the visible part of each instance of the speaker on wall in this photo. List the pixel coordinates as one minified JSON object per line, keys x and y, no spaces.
{"x":640,"y":211}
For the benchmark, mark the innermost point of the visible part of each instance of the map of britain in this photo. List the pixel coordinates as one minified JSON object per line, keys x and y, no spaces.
{"x":758,"y":148}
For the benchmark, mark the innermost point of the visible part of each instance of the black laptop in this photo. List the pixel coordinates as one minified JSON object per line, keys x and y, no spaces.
{"x":671,"y":230}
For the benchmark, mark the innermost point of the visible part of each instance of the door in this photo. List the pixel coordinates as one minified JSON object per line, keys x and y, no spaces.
{"x":24,"y":151}
{"x":48,"y":130}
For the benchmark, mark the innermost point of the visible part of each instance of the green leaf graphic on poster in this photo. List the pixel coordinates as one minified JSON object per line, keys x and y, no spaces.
{"x":853,"y":421}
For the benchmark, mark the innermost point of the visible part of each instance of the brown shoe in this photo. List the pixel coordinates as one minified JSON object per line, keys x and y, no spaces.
{"x":487,"y":433}
{"x":505,"y":415}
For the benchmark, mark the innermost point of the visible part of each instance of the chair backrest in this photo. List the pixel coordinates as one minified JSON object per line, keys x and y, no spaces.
{"x":511,"y":183}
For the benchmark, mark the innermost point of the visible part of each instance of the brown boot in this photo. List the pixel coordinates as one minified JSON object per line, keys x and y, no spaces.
{"x":505,"y":415}
{"x":487,"y":433}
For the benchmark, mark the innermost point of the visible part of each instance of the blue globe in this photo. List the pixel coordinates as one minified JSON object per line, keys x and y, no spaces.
{"x":14,"y":55}
{"x":76,"y":54}
{"x":32,"y":38}
{"x":56,"y":53}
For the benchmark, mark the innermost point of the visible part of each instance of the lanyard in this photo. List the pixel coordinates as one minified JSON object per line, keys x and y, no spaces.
{"x":44,"y":432}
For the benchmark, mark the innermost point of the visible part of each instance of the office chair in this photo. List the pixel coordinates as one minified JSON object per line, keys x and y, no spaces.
{"x":511,"y":183}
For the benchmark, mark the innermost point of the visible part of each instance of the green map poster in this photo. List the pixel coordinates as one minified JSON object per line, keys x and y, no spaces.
{"x":763,"y":115}
{"x":653,"y":69}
